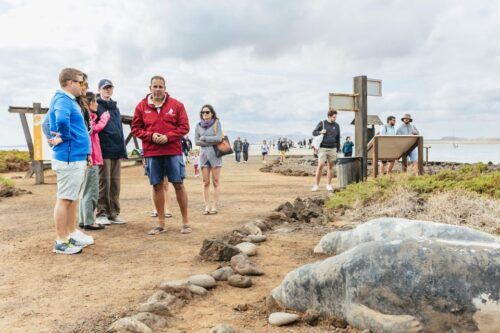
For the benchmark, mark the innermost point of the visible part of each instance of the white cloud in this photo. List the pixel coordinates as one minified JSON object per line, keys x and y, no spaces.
{"x":264,"y":65}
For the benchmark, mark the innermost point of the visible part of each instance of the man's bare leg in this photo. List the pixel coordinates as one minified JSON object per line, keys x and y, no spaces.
{"x":182,"y":200}
{"x":61,"y":212}
{"x":159,"y":201}
{"x":329,"y":172}
{"x":71,"y":219}
{"x":319,"y":172}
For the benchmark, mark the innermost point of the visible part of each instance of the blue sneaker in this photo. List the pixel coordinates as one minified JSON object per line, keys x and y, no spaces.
{"x":66,"y":248}
{"x":78,"y":243}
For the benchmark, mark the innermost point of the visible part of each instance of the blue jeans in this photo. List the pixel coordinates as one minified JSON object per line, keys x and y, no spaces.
{"x":413,"y":156}
{"x":89,"y":196}
{"x":238,"y":156}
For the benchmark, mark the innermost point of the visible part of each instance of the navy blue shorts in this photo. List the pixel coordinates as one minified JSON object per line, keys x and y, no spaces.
{"x":161,"y":167}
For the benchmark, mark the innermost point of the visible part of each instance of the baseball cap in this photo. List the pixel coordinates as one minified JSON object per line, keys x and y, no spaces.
{"x":105,"y":83}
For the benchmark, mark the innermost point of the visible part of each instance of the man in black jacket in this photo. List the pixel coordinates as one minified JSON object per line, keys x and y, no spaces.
{"x":113,"y":150}
{"x":237,"y":147}
{"x":246,"y":146}
{"x":329,"y":148}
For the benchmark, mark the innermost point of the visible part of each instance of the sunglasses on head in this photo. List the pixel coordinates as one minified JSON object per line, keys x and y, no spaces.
{"x":206,"y":112}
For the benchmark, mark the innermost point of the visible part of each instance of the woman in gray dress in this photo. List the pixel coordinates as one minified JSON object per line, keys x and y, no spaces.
{"x":208,"y":133}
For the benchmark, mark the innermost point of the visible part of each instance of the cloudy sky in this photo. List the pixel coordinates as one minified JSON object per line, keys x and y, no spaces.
{"x":266,"y":66}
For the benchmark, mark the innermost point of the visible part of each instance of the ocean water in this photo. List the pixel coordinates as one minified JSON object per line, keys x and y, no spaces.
{"x":464,"y":153}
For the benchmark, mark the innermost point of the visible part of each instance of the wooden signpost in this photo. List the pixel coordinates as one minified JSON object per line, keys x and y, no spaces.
{"x":357,"y":102}
{"x":35,"y":146}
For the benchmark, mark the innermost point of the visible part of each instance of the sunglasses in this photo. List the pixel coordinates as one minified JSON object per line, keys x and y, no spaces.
{"x":206,"y":112}
{"x":82,"y":83}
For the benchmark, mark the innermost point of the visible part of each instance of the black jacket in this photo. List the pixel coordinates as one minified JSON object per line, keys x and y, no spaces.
{"x":111,"y":137}
{"x":245,"y":145}
{"x":331,"y":139}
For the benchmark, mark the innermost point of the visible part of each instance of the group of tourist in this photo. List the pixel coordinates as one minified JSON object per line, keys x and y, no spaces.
{"x":330,"y":145}
{"x":85,"y":133}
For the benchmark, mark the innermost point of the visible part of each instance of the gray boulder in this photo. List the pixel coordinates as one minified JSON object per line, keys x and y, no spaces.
{"x":129,"y":325}
{"x":202,"y":280}
{"x":402,"y":286}
{"x":389,"y":229}
{"x":151,"y":320}
{"x":239,"y":281}
{"x":217,"y":250}
{"x":244,"y":266}
{"x":222,"y":273}
{"x":223,"y":328}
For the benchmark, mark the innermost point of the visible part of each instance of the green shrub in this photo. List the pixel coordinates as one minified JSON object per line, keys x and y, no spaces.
{"x":473,"y":178}
{"x":14,"y":160}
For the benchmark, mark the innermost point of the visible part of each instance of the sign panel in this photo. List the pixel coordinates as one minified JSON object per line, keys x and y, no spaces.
{"x":342,"y":102}
{"x":374,"y":87}
{"x":38,"y":137}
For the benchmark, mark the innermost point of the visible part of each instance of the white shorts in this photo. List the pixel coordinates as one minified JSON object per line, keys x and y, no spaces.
{"x":69,"y":178}
{"x":327,"y":154}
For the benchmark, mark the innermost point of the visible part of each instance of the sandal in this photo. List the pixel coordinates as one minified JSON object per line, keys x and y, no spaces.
{"x":156,"y":231}
{"x":213,"y":211}
{"x":153,"y":214}
{"x":186,"y":229}
{"x":206,"y":211}
{"x":168,"y":215}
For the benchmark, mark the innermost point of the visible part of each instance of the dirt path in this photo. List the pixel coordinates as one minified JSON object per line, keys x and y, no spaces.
{"x":42,"y":292}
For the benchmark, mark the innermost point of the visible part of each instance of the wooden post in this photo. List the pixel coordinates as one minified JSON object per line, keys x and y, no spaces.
{"x":427,"y":154}
{"x":361,"y":122}
{"x":375,"y":157}
{"x":404,"y":162}
{"x":420,"y":155}
{"x":29,"y":142}
{"x":38,"y":165}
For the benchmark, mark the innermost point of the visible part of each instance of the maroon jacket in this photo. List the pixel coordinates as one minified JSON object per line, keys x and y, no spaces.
{"x":171,"y":120}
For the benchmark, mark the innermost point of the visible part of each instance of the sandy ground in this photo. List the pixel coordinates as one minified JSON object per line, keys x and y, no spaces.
{"x":43,"y":292}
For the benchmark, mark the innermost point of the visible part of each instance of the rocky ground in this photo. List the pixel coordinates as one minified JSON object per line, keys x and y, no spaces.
{"x":305,"y":165}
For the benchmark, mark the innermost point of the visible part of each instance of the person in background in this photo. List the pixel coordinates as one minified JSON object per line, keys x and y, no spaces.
{"x":347,"y":147}
{"x":208,"y":133}
{"x":113,"y":150}
{"x":237,"y":147}
{"x":388,"y":129}
{"x":186,"y":147}
{"x":90,"y":190}
{"x":283,"y":147}
{"x":161,"y":121}
{"x":195,"y":156}
{"x":328,"y":149}
{"x":264,"y":149}
{"x":408,"y":129}
{"x":71,"y":148}
{"x":245,"y":148}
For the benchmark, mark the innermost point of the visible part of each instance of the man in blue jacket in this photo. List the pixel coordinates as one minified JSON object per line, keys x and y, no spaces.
{"x":71,"y":147}
{"x":113,"y":150}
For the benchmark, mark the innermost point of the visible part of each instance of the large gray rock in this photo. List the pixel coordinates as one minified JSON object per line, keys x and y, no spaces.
{"x":202,"y":280}
{"x":255,"y":238}
{"x":151,"y":320}
{"x":247,"y":248}
{"x":402,"y":286}
{"x":222,"y":273}
{"x":129,"y":325}
{"x":282,"y":318}
{"x":217,"y":250}
{"x":244,"y":266}
{"x":239,"y":281}
{"x":223,"y":328}
{"x":395,"y":228}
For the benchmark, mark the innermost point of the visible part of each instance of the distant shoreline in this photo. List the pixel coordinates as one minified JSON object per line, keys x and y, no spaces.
{"x":463,"y":142}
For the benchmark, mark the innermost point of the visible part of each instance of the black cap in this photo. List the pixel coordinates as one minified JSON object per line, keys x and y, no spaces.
{"x":105,"y":83}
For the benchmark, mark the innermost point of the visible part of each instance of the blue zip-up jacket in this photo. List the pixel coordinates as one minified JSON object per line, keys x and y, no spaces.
{"x":65,"y":117}
{"x":111,"y":137}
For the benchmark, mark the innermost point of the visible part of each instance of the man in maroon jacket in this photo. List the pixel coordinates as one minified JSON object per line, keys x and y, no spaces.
{"x":160,"y":122}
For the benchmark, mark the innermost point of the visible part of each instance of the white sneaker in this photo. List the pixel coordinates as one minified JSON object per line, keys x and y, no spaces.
{"x":315,"y":188}
{"x":103,"y":220}
{"x":81,"y":238}
{"x":329,"y":188}
{"x":117,"y":220}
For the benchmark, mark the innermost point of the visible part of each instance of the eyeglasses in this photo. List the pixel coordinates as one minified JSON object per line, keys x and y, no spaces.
{"x":82,"y":83}
{"x":206,"y":112}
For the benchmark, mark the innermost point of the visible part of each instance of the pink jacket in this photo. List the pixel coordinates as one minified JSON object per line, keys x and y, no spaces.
{"x":96,"y":127}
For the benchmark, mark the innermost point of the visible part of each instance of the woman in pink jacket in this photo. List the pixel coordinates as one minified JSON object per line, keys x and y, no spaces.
{"x":90,"y":191}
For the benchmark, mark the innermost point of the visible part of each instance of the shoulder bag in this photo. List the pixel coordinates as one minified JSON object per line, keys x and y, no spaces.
{"x":223,"y":147}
